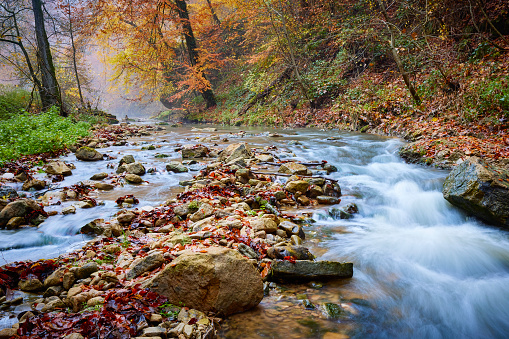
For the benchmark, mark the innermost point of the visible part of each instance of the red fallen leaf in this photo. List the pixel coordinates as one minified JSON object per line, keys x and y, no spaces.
{"x":290,"y":259}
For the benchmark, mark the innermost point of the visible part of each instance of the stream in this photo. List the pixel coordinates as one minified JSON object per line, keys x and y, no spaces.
{"x":422,"y":269}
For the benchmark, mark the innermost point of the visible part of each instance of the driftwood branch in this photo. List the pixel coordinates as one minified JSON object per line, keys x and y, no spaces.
{"x":289,"y":175}
{"x":300,"y":163}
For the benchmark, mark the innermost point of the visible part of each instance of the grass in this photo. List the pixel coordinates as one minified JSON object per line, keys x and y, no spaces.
{"x":26,"y":133}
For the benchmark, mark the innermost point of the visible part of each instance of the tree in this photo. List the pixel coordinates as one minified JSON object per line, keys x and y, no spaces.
{"x":192,"y":49}
{"x":50,"y":92}
{"x":11,"y":33}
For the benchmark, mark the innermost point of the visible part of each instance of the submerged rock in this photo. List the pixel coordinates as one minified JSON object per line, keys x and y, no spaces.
{"x":220,"y":280}
{"x":480,"y":190}
{"x":306,"y":270}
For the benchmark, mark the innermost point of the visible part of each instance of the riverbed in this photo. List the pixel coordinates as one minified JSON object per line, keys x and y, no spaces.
{"x":422,"y":268}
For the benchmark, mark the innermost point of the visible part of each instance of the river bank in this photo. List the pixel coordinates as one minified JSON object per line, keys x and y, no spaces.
{"x":369,"y":173}
{"x":228,"y":205}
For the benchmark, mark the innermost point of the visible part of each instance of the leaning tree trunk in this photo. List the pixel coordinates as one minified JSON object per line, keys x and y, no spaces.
{"x":192,"y":48}
{"x":50,"y":94}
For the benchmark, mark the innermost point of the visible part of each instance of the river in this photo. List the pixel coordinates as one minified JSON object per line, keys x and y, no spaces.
{"x":422,"y":269}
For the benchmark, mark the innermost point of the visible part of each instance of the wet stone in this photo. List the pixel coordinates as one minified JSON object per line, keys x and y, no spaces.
{"x":99,"y":176}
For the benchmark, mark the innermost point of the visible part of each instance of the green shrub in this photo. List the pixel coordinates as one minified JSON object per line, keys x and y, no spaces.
{"x":27,"y":133}
{"x":12,"y":100}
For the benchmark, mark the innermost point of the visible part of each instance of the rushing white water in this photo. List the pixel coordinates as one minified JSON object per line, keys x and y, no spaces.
{"x":426,"y":269}
{"x":431,"y":272}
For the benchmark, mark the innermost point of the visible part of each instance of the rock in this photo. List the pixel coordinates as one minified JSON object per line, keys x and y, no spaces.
{"x":332,"y":311}
{"x":323,"y":199}
{"x":95,"y":301}
{"x":55,"y":278}
{"x":297,"y":252}
{"x":231,"y":223}
{"x":68,"y":210}
{"x":306,"y":270}
{"x":154,"y":332}
{"x":99,"y":176}
{"x":265,"y":157}
{"x":126,"y":159}
{"x":86,"y":270}
{"x":133,"y":168}
{"x":293,"y":168}
{"x":263,"y":224}
{"x":34,"y":184}
{"x":126,"y":217}
{"x":314,"y":191}
{"x":68,"y":280}
{"x":58,"y":168}
{"x":18,"y":208}
{"x":332,"y":190}
{"x":149,"y":263}
{"x":30,"y":285}
{"x":297,"y":186}
{"x":205,"y":210}
{"x":7,"y":192}
{"x":303,"y":200}
{"x":220,"y":280}
{"x":235,"y":151}
{"x":133,"y":178}
{"x":53,"y":291}
{"x":247,"y":251}
{"x":185,"y":209}
{"x":295,"y":240}
{"x":198,"y":151}
{"x":480,"y":190}
{"x":292,"y":229}
{"x":74,"y":336}
{"x":176,"y":167}
{"x":93,"y":227}
{"x":330,"y":168}
{"x":14,"y":223}
{"x":88,"y":154}
{"x":8,"y":333}
{"x":104,"y":186}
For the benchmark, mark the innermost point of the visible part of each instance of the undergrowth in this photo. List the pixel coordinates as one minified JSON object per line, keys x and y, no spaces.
{"x":27,"y":133}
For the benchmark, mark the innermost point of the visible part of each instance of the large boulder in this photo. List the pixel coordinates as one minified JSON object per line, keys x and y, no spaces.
{"x":18,"y":208}
{"x":58,"y":168}
{"x":235,"y":151}
{"x":480,"y":190}
{"x":88,"y":154}
{"x":220,"y":280}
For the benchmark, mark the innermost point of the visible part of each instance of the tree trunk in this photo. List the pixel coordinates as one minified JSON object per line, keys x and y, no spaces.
{"x":395,"y":54}
{"x":192,"y":49}
{"x":50,"y":94}
{"x":74,"y":55}
{"x":214,"y":15}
